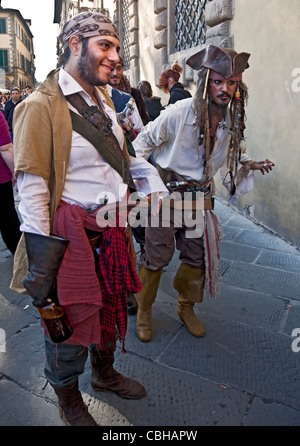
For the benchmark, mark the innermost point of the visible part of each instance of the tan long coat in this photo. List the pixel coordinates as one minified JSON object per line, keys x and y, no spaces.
{"x":42,"y":144}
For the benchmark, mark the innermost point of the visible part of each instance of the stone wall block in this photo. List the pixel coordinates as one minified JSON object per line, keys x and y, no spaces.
{"x":227,"y":42}
{"x":134,"y":51}
{"x":159,"y":5}
{"x":134,"y":63}
{"x":221,"y":30}
{"x":160,"y":62}
{"x":133,"y":23}
{"x":134,"y":37}
{"x":189,"y":73}
{"x":161,"y":38}
{"x":134,"y":74}
{"x":218,"y":11}
{"x":133,"y":9}
{"x":161,"y":20}
{"x":161,"y":57}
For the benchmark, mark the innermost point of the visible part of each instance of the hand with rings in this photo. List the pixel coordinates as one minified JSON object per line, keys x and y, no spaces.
{"x":263,"y":166}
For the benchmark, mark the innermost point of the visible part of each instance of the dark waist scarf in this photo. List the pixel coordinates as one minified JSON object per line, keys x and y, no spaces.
{"x":84,"y":292}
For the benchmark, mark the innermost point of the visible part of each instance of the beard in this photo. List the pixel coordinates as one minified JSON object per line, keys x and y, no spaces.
{"x":114,"y":81}
{"x":88,"y":67}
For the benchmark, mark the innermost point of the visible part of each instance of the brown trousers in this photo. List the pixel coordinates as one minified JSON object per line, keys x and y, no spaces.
{"x":160,"y":241}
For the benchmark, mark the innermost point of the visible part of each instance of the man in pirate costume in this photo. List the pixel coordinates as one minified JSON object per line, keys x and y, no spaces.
{"x":64,"y":176}
{"x":190,"y":141}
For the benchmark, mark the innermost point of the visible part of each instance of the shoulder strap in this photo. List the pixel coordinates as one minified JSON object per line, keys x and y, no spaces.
{"x":94,"y":126}
{"x":104,"y":148}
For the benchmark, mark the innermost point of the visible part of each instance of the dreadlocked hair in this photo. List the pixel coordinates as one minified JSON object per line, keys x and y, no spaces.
{"x":124,"y":85}
{"x":199,"y":104}
{"x":201,"y":107}
{"x":238,"y":117}
{"x":237,"y":107}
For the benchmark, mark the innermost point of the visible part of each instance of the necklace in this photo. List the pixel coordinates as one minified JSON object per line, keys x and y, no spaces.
{"x":218,"y":120}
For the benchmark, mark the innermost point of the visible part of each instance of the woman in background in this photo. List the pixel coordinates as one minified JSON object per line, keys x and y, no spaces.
{"x":153,"y":103}
{"x":168,"y":81}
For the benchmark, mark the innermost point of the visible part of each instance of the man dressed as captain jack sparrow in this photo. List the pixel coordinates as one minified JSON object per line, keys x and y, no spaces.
{"x":190,"y":141}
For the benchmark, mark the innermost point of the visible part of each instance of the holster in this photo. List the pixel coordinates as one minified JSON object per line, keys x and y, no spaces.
{"x":168,"y":176}
{"x":192,"y":200}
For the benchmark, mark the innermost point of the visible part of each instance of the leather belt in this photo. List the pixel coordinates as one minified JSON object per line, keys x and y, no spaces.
{"x":93,"y":238}
{"x":206,"y":204}
{"x":94,"y":241}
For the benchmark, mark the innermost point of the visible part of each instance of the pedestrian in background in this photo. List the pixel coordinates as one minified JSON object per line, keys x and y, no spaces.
{"x":9,"y":220}
{"x":28,"y":90}
{"x":9,"y":108}
{"x":121,"y":97}
{"x":169,"y":82}
{"x":119,"y":80}
{"x":3,"y":101}
{"x":153,"y":103}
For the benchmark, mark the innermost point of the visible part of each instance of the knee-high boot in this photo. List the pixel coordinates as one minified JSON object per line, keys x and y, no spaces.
{"x":189,"y":282}
{"x":145,"y":299}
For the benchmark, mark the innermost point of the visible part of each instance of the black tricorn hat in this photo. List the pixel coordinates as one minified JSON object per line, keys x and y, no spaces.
{"x":224,"y":61}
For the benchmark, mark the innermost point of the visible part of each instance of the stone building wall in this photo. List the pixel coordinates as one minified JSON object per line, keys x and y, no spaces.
{"x":218,"y":14}
{"x":157,"y":16}
{"x":267,"y":30}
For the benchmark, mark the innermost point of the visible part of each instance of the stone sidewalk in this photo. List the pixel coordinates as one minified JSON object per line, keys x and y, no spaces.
{"x":244,"y":372}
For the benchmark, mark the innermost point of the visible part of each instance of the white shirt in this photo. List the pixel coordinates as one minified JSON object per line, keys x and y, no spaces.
{"x":173,"y":138}
{"x":88,"y":179}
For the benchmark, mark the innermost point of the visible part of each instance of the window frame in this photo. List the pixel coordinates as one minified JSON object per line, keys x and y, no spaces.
{"x":3,"y":21}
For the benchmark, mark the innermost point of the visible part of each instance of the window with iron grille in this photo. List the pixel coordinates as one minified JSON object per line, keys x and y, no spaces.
{"x":126,"y":34}
{"x":190,"y":28}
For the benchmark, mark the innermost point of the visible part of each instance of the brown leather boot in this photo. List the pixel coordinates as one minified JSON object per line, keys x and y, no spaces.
{"x":71,"y":407}
{"x":189,"y":282}
{"x":186,"y":313}
{"x":105,"y":377}
{"x":145,"y":299}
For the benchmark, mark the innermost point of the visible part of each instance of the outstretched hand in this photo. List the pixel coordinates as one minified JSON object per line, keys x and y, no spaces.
{"x":264,"y":166}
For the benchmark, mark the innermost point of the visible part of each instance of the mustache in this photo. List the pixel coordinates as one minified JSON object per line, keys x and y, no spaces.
{"x":222,"y":95}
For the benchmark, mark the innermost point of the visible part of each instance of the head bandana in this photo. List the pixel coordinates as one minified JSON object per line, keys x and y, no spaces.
{"x":216,"y":76}
{"x":87,"y":24}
